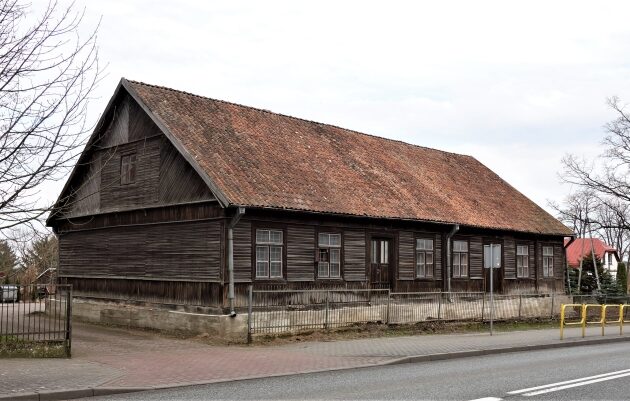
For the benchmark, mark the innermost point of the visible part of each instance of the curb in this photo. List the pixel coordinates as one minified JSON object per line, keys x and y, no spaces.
{"x":101,"y":391}
{"x":506,"y":350}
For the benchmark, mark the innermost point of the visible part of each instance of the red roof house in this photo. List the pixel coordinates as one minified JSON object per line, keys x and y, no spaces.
{"x":581,"y":248}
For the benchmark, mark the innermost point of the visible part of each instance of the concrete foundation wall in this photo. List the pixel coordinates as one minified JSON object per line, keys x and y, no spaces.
{"x":230,"y":329}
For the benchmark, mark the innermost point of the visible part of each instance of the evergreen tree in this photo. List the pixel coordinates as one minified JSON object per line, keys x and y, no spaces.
{"x":622,"y":278}
{"x":8,"y":258}
{"x":42,"y":254}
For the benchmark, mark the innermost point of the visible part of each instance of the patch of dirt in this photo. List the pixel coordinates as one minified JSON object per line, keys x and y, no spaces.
{"x":372,"y":330}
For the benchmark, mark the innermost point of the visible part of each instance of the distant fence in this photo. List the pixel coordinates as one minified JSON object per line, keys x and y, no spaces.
{"x":283,"y":311}
{"x":34,"y":316}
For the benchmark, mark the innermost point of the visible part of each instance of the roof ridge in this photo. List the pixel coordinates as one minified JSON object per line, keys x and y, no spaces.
{"x":296,"y":118}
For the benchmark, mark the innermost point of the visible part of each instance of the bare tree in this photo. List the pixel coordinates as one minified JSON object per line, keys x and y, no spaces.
{"x":607,"y":180}
{"x":47,"y":73}
{"x":575,"y":210}
{"x":609,"y":174}
{"x":612,"y":222}
{"x":597,"y":215}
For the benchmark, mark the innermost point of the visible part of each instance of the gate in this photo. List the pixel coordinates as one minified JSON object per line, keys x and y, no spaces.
{"x":35,"y":320}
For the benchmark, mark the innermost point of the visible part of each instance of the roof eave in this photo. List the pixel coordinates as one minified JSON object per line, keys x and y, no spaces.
{"x":407,"y":219}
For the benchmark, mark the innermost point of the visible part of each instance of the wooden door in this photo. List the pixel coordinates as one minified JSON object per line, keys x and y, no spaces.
{"x":493,"y":264}
{"x":381,"y":263}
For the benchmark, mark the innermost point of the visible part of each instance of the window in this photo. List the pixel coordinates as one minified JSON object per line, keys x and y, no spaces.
{"x":610,"y":259}
{"x":128,"y":169}
{"x":329,"y":262}
{"x":522,"y":261}
{"x":424,"y":258}
{"x":460,"y":258}
{"x":269,"y":253}
{"x":547,"y":261}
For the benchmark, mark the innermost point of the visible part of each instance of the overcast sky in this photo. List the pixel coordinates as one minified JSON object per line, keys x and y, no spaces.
{"x":515,"y":84}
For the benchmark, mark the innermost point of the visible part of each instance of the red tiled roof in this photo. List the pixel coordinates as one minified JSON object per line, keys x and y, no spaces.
{"x":581,"y":247}
{"x":262,"y":159}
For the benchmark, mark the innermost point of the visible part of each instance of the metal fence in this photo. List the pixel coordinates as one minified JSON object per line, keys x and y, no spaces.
{"x":36,"y":314}
{"x":285,"y":311}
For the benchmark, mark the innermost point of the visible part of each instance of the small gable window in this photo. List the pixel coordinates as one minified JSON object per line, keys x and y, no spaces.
{"x":128,"y":169}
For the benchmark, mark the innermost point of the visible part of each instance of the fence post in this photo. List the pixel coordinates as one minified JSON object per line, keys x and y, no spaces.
{"x":326,"y":314}
{"x":389,"y":300}
{"x":440,"y":306}
{"x":552,"y":304}
{"x":69,"y":323}
{"x":520,"y":304}
{"x":483,"y":305}
{"x":250,"y":301}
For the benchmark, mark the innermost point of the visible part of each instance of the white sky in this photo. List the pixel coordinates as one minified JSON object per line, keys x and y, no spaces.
{"x":515,"y":84}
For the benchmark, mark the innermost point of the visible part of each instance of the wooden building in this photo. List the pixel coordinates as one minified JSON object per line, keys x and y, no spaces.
{"x":182,"y":199}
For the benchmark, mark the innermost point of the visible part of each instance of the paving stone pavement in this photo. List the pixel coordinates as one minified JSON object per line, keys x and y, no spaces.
{"x":111,"y":357}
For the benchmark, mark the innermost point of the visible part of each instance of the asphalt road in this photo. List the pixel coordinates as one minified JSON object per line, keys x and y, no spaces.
{"x":600,"y":372}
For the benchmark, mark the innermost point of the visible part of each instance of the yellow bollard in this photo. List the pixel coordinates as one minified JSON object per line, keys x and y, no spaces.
{"x":584,"y":308}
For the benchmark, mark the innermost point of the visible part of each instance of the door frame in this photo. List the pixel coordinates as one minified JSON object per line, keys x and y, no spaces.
{"x":498,"y":278}
{"x":393,"y":256}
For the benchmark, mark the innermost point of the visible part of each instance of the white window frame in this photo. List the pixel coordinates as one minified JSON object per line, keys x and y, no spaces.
{"x":269,"y":243}
{"x":522,"y":261}
{"x":424,"y":252}
{"x":547,"y":255}
{"x":460,"y":252}
{"x":329,"y":244}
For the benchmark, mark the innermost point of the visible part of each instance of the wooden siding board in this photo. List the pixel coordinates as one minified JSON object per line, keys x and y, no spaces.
{"x":406,"y":258}
{"x":300,"y":253}
{"x":176,"y":251}
{"x":354,"y":255}
{"x":438,"y":257}
{"x":243,"y":251}
{"x":144,"y":191}
{"x":533,"y":263}
{"x":86,"y":196}
{"x":509,"y":257}
{"x":117,"y":132}
{"x":179,"y":182}
{"x":558,"y":262}
{"x":476,"y":257}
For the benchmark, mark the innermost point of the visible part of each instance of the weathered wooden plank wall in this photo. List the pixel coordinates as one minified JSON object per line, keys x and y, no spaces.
{"x":243,"y":251}
{"x":144,"y":191}
{"x":150,"y":291}
{"x":301,"y":253}
{"x":475,"y":249}
{"x":354,"y":257}
{"x":189,"y":251}
{"x":509,"y":257}
{"x":162,"y":177}
{"x":406,"y":256}
{"x":178,"y":181}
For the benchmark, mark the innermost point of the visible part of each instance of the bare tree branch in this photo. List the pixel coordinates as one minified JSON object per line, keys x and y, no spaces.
{"x":47,"y":73}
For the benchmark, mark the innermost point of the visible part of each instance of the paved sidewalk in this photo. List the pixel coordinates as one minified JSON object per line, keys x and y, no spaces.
{"x":110,"y":359}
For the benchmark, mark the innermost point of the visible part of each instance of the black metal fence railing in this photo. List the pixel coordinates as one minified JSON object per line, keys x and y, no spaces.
{"x":283,"y":311}
{"x":35,"y":317}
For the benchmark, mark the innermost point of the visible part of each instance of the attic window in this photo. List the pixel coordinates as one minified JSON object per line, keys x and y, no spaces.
{"x":128,"y":169}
